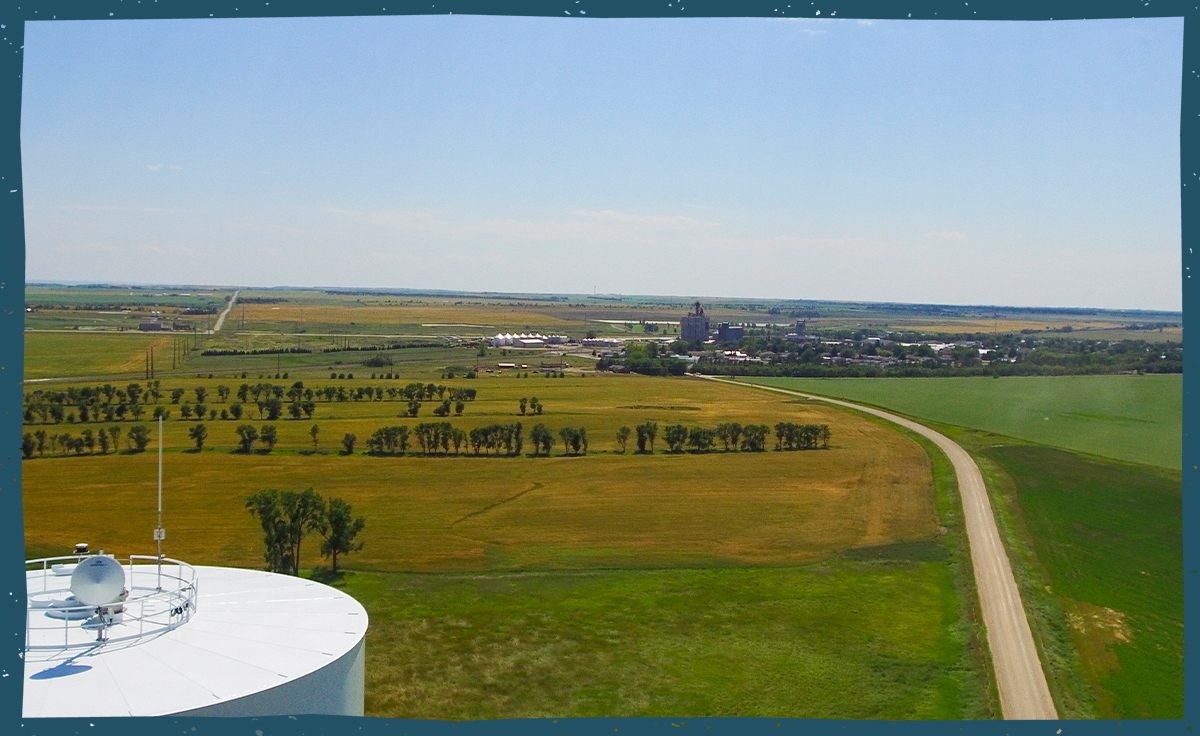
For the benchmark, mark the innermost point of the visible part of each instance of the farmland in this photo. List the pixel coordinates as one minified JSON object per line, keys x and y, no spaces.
{"x":603,"y":509}
{"x":491,"y":560}
{"x":818,"y":583}
{"x":1133,"y":418}
{"x":1096,"y":541}
{"x":52,"y":354}
{"x":1108,"y":541}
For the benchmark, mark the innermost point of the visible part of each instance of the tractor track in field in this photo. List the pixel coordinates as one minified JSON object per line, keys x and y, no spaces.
{"x":501,"y":502}
{"x":1020,"y":679}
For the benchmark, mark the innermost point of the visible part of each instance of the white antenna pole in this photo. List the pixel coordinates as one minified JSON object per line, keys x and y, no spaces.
{"x":158,"y":530}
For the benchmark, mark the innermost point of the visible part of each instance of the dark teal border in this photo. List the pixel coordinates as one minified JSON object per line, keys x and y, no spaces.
{"x":13,"y":13}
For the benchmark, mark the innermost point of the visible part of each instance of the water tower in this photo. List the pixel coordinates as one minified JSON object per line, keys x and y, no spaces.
{"x":151,"y":636}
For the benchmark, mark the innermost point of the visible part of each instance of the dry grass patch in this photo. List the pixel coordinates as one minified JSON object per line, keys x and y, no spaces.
{"x":873,"y":486}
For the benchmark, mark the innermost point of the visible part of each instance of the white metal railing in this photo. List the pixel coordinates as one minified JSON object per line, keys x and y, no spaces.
{"x":161,"y":596}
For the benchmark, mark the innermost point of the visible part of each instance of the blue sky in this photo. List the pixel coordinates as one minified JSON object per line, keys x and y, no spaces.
{"x":1017,"y":163}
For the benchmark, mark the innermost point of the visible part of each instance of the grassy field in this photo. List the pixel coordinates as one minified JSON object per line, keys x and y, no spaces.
{"x":1133,"y":418}
{"x":1096,"y":543}
{"x":836,"y":640}
{"x":56,"y":354}
{"x":1107,"y":542}
{"x":806,"y":584}
{"x":468,"y":513}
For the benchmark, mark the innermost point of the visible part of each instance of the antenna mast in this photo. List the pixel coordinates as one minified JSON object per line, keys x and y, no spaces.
{"x":160,"y":533}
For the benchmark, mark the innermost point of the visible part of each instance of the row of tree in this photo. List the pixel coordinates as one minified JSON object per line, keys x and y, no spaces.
{"x":105,"y":438}
{"x":732,"y":436}
{"x":439,"y":437}
{"x":287,"y":516}
{"x":92,"y":405}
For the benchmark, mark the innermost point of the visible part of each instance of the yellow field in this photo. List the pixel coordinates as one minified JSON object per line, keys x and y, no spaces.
{"x":872,"y":487}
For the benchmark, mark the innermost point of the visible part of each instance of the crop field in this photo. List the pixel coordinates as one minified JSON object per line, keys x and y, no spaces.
{"x":54,"y":354}
{"x":1108,"y":539}
{"x":1133,"y":418}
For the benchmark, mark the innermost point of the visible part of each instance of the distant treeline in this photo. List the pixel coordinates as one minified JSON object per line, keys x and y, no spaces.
{"x":261,"y":300}
{"x":259,"y":351}
{"x":373,"y":348}
{"x":110,"y":403}
{"x":802,"y":370}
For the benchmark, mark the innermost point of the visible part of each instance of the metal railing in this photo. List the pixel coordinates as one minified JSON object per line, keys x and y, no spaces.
{"x":162,"y":596}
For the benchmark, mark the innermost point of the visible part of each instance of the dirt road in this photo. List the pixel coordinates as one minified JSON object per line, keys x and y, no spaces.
{"x":221,"y":320}
{"x":1024,"y":694}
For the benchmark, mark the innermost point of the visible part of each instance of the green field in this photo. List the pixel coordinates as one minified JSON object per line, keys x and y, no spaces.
{"x":835,"y":640}
{"x":64,"y":354}
{"x":1107,"y":542}
{"x":1133,"y":418}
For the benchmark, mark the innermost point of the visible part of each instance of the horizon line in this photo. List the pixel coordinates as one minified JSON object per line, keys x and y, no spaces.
{"x":383,"y":290}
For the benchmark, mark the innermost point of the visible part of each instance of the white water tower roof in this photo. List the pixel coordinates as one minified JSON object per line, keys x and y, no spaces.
{"x":251,"y":631}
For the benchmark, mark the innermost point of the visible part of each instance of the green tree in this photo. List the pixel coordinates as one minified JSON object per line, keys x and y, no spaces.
{"x":622,"y":438}
{"x":522,"y":404}
{"x":139,"y":437}
{"x":198,"y":433}
{"x":348,"y":442}
{"x":247,"y":435}
{"x":676,"y":436}
{"x":313,"y":431}
{"x":542,"y":439}
{"x":340,"y":530}
{"x":286,"y":516}
{"x":28,"y":445}
{"x":646,"y":432}
{"x":268,"y":436}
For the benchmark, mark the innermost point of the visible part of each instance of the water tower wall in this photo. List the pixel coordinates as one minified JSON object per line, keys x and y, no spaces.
{"x":337,"y":689}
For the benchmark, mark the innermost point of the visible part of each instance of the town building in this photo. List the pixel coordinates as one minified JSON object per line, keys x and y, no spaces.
{"x":730,"y":333}
{"x":800,"y":334}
